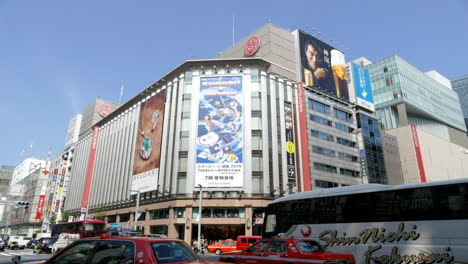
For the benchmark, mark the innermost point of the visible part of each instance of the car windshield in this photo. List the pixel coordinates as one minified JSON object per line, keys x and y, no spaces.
{"x":172,"y":251}
{"x":49,"y":240}
{"x":308,"y":246}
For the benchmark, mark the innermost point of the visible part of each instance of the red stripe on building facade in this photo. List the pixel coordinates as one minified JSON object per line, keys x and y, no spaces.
{"x":304,"y":138}
{"x":89,"y":174}
{"x":417,"y":149}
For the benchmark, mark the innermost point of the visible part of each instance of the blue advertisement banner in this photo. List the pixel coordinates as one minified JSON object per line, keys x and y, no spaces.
{"x":220,"y":132}
{"x":363,"y":87}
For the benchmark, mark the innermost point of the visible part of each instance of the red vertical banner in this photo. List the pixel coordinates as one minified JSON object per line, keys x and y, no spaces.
{"x":417,"y":149}
{"x":304,"y":139}
{"x":40,"y":207}
{"x":89,"y":174}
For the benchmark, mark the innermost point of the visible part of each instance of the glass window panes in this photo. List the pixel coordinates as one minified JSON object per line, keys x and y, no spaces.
{"x":322,"y":135}
{"x":159,"y":214}
{"x":319,"y":107}
{"x":325,"y":167}
{"x":320,"y":120}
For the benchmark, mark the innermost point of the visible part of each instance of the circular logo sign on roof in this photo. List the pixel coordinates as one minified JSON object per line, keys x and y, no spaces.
{"x":105,"y":110}
{"x":251,"y":46}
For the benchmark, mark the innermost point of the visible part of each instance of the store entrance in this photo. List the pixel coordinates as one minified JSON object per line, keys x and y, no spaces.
{"x":213,"y":233}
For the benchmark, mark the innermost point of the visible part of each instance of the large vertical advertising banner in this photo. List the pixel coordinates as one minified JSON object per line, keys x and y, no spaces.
{"x":40,"y":205}
{"x":323,"y":66}
{"x":363,"y":87}
{"x":220,"y":132}
{"x":148,"y":144}
{"x":290,"y":145}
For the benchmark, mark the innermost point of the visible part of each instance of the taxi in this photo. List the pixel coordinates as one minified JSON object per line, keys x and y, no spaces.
{"x":223,"y":246}
{"x":273,"y":251}
{"x":126,"y":250}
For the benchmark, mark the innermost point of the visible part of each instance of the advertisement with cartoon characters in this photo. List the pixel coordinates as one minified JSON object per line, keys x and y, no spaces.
{"x":220,"y":132}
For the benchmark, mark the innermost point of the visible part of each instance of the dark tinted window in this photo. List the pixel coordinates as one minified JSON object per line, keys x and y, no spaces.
{"x":418,"y":204}
{"x":172,"y":251}
{"x":277,"y":247}
{"x":79,"y":253}
{"x":308,"y":246}
{"x":49,"y":240}
{"x":113,"y":252}
{"x":260,"y":246}
{"x":100,"y":252}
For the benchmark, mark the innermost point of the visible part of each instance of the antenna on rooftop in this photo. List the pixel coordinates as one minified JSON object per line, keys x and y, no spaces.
{"x":233,"y":41}
{"x":121,"y":93}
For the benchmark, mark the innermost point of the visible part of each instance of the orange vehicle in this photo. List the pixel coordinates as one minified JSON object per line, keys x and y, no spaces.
{"x":222,"y":246}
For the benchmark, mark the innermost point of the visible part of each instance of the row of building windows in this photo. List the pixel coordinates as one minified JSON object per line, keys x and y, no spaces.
{"x":325,"y":184}
{"x":216,"y":212}
{"x":327,"y":122}
{"x":332,"y":153}
{"x":333,"y":169}
{"x":180,"y":213}
{"x":325,"y":109}
{"x":331,"y":138}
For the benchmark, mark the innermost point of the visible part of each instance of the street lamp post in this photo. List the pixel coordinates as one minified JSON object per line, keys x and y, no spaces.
{"x":135,"y":222}
{"x":199,"y":218}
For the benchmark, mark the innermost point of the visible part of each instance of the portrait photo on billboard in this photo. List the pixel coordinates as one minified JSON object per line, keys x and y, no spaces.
{"x":323,"y":66}
{"x":148,"y":143}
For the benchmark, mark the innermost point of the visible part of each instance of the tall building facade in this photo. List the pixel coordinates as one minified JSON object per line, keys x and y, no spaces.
{"x":423,"y":112}
{"x":371,"y":154}
{"x":251,"y":125}
{"x":28,"y":184}
{"x":404,"y":96}
{"x":460,"y":86}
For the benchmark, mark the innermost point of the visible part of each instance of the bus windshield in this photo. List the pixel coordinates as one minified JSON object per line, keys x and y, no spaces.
{"x":417,"y":221}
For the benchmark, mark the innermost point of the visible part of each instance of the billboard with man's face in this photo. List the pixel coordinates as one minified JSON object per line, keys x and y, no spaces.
{"x":148,"y":144}
{"x":322,"y":66}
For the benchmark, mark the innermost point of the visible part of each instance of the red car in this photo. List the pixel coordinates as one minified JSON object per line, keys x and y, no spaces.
{"x":273,"y":251}
{"x":222,"y":246}
{"x":126,"y":250}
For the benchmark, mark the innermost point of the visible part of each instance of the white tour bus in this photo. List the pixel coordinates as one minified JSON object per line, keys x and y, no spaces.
{"x":381,"y":224}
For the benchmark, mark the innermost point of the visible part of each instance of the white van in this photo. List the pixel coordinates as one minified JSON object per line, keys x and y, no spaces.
{"x":64,"y":240}
{"x":21,"y":242}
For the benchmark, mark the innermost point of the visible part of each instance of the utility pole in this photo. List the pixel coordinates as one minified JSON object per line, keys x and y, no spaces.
{"x":199,"y":218}
{"x":137,"y":214}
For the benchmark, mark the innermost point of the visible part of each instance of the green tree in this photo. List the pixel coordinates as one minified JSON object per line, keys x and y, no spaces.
{"x":65,"y":216}
{"x":99,"y":214}
{"x":53,"y":218}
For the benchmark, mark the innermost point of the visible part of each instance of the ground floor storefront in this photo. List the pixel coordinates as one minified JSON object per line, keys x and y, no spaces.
{"x":220,"y":219}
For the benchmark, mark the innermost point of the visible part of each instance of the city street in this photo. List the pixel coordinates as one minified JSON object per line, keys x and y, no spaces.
{"x":27,"y":255}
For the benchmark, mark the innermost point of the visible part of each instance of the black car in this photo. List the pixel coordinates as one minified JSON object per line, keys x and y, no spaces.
{"x":44,"y":245}
{"x":32,"y":243}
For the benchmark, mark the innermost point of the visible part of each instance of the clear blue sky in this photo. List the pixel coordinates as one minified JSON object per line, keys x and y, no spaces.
{"x":57,"y":56}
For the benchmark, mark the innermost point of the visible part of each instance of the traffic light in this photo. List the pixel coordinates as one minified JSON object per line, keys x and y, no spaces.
{"x":22,"y":204}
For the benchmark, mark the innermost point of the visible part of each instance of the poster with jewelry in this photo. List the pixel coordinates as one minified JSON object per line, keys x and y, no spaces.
{"x":220,"y":132}
{"x":148,"y":144}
